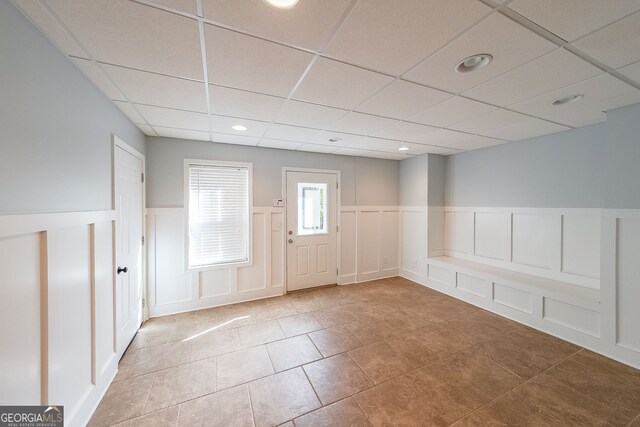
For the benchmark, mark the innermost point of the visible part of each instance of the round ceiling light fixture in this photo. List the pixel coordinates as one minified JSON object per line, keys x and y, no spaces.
{"x":474,"y":63}
{"x":567,"y":99}
{"x":239,"y":128}
{"x":335,"y":139}
{"x":282,"y":4}
{"x":403,"y":149}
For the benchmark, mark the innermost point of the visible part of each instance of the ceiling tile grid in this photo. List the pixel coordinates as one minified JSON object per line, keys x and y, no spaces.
{"x":352,"y":77}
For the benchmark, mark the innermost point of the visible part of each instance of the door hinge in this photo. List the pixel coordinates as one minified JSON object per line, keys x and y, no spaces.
{"x":144,"y":302}
{"x":337,"y":272}
{"x":143,"y":240}
{"x":337,"y":228}
{"x":142,"y":177}
{"x":337,"y":186}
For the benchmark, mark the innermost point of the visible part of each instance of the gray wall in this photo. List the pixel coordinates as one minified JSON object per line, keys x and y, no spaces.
{"x":622,"y":158}
{"x":591,"y":167}
{"x":413,"y":181}
{"x":364,"y":181}
{"x":436,"y":180}
{"x":55,"y":145}
{"x":560,"y":170}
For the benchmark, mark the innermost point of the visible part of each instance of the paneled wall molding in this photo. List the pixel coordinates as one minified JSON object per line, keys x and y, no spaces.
{"x":601,"y":245}
{"x":558,"y":244}
{"x":57,"y":272}
{"x":368,"y":251}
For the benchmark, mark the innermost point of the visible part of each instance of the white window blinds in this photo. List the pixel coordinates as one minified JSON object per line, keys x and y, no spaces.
{"x":218,"y":214}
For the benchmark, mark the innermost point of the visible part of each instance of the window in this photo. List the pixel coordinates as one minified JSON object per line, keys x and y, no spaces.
{"x":218,"y":199}
{"x":312,"y":208}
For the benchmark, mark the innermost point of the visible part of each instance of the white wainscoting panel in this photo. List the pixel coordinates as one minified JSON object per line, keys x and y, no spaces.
{"x":514,"y":298}
{"x":435,"y":233}
{"x":558,"y":244}
{"x":348,"y":244}
{"x":458,"y":232}
{"x":493,"y":235}
{"x":471,"y":284}
{"x":413,"y":242}
{"x":534,"y":240}
{"x":581,"y":245}
{"x":627,"y":280}
{"x":572,"y":316}
{"x":369,"y":242}
{"x":441,"y":275}
{"x":70,"y":350}
{"x":20,"y":317}
{"x":57,"y":275}
{"x":174,"y":289}
{"x":389,"y":226}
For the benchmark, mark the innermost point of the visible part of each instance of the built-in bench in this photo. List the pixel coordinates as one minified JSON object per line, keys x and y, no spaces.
{"x":560,"y":291}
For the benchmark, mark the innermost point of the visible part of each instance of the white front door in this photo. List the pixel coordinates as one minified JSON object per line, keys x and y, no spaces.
{"x":128,"y":170}
{"x":312,"y":258}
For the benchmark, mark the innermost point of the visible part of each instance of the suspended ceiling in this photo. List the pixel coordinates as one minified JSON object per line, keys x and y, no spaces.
{"x":352,"y":77}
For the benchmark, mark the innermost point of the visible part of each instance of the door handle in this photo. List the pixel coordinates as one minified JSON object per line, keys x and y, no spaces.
{"x":122,"y":270}
{"x":290,"y":232}
{"x":290,"y":240}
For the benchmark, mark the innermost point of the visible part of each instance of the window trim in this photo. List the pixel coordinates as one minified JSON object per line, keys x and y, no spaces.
{"x":249,"y":166}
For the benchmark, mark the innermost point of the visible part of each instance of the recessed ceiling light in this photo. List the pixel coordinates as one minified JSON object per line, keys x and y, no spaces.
{"x":403,"y":149}
{"x":567,"y":100}
{"x":239,"y":127}
{"x":335,"y":139}
{"x":282,"y":4}
{"x":473,"y":63}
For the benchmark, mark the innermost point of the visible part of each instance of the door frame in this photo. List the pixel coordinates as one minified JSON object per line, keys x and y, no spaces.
{"x":335,"y":172}
{"x":119,"y":143}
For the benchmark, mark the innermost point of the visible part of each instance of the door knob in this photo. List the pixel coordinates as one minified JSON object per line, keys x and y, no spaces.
{"x":290,"y":240}
{"x":290,"y":232}
{"x":122,"y":270}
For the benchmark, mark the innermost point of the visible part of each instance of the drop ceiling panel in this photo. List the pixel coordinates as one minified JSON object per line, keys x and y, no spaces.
{"x":581,"y":115}
{"x":234,"y":139}
{"x":509,"y":43}
{"x":451,"y":111}
{"x":99,"y":79}
{"x":290,"y":133}
{"x":223,"y":124}
{"x":414,"y":149}
{"x":393,"y":36}
{"x":570,"y":19}
{"x":616,"y":45}
{"x":130,"y":112}
{"x":249,"y":63}
{"x":529,"y":129}
{"x":632,"y":71}
{"x":167,"y":117}
{"x":154,"y":89}
{"x":350,"y":152}
{"x":362,"y":124}
{"x":283,"y":145}
{"x":552,"y":71}
{"x":182,"y":133}
{"x":473,"y":142}
{"x":309,"y":115}
{"x":134,"y":35}
{"x":188,"y":6}
{"x":307,"y":25}
{"x":315,"y":148}
{"x":240,"y":103}
{"x":340,"y":139}
{"x":339,"y":85}
{"x":387,"y":155}
{"x":40,"y":16}
{"x":404,"y":131}
{"x":458,"y":140}
{"x":619,"y":101}
{"x":490,"y":121}
{"x":370,"y":143}
{"x":402,"y":99}
{"x":595,"y":90}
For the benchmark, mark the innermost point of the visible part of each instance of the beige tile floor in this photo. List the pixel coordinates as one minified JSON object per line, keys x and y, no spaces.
{"x":388,"y":352}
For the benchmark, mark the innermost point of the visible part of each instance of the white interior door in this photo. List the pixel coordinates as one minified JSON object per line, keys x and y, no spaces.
{"x":312,"y":256}
{"x":129,"y":207}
